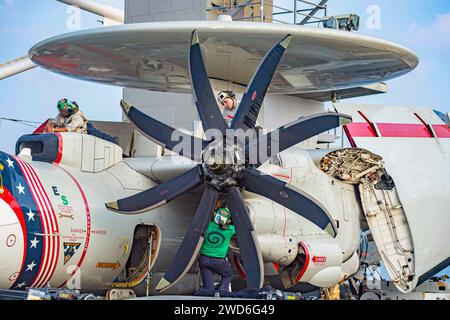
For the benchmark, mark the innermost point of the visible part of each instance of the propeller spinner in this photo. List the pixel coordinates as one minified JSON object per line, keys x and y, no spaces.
{"x":228,"y":164}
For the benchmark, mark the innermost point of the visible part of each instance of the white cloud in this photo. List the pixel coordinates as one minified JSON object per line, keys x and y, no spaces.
{"x":115,"y":3}
{"x":443,"y":24}
{"x":6,"y":3}
{"x":433,"y":35}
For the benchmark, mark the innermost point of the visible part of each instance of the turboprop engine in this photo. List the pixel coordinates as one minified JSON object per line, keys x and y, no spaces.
{"x":293,"y":261}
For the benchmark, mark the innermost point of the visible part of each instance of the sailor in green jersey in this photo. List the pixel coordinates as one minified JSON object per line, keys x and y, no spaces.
{"x":214,"y":250}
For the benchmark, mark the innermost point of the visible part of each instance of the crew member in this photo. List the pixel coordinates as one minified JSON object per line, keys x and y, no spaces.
{"x":228,"y":100}
{"x":69,"y":118}
{"x":214,"y":250}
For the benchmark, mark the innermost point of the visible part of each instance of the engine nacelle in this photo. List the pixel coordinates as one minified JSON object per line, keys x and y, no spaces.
{"x":323,"y":262}
{"x":277,"y":249}
{"x":319,"y":263}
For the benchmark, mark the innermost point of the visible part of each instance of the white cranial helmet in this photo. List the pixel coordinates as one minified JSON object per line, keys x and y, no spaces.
{"x":225,"y":94}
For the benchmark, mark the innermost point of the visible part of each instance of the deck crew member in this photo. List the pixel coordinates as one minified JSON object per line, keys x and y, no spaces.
{"x":69,"y":118}
{"x":214,"y":250}
{"x":228,"y":100}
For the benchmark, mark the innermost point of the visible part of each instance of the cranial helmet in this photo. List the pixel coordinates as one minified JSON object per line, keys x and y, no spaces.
{"x":222,"y":217}
{"x":75,"y":104}
{"x":65,"y":104}
{"x":225,"y":94}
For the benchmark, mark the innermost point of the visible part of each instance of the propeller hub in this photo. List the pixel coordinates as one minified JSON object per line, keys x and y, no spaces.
{"x":223,"y":176}
{"x":223,"y":153}
{"x":223,"y":164}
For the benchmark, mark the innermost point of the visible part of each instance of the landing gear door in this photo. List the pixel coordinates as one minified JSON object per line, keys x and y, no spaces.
{"x":382,"y":208}
{"x":390,"y":230}
{"x":414,"y":145}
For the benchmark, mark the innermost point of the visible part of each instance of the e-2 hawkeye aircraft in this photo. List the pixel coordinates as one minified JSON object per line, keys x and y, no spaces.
{"x":75,"y":212}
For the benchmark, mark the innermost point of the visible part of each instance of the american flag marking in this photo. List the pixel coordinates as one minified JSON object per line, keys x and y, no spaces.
{"x":51,"y":245}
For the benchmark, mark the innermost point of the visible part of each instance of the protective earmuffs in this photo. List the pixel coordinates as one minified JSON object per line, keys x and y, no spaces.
{"x":65,"y":104}
{"x":225,"y":94}
{"x":222,"y":218}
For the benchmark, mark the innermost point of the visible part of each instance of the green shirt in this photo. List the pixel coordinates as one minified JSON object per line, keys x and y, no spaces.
{"x":216,"y":241}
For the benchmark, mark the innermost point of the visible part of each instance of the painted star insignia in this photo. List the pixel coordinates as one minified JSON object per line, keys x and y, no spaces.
{"x":34,"y":243}
{"x":31,"y":266}
{"x":20,"y":188}
{"x":20,"y":285}
{"x":10,"y":163}
{"x":30,"y":215}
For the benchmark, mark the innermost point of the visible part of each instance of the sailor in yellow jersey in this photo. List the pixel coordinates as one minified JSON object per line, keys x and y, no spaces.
{"x":214,"y":250}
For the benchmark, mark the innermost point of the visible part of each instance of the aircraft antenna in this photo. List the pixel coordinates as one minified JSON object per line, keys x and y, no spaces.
{"x":21,"y":121}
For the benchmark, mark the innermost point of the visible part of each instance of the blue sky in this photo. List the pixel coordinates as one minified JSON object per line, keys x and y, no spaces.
{"x":421,"y":25}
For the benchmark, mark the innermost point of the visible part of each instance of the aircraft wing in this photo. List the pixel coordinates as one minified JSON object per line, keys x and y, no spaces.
{"x":415,"y":146}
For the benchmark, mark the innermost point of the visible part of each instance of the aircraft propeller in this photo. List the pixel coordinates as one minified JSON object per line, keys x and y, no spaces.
{"x":228,"y":163}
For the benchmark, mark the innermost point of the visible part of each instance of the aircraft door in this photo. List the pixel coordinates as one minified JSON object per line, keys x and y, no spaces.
{"x":143,"y":255}
{"x":382,"y":208}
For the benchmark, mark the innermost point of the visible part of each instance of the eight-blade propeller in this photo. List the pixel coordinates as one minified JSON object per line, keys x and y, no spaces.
{"x":228,"y":164}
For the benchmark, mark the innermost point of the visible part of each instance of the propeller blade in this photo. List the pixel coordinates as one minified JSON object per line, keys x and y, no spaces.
{"x":248,"y":111}
{"x":290,"y":197}
{"x":164,"y":135}
{"x":248,"y":242}
{"x":159,"y":195}
{"x":192,"y":241}
{"x":292,"y":134}
{"x":204,"y":98}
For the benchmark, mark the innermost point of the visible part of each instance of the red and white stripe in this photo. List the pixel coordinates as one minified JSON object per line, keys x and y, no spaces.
{"x":88,"y":224}
{"x":49,"y":225}
{"x":419,"y":129}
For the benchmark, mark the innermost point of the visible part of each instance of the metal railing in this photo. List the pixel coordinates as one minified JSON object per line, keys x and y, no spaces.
{"x":301,"y":12}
